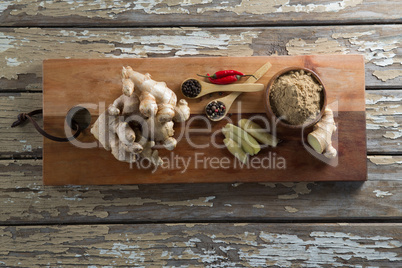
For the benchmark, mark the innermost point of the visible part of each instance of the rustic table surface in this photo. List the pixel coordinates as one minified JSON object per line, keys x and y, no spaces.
{"x":331,"y":224}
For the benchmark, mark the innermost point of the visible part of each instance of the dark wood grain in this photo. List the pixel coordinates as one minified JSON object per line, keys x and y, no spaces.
{"x":203,"y":245}
{"x":25,"y":200}
{"x":25,"y":48}
{"x":99,"y":80}
{"x":62,"y":237}
{"x":68,"y":83}
{"x":383,"y":120}
{"x":190,"y":13}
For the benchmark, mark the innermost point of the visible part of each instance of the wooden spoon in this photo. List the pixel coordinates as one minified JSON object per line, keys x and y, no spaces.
{"x":207,"y":88}
{"x":228,"y":100}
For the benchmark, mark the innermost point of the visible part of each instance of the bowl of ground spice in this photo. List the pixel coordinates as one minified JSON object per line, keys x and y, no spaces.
{"x":295,"y":98}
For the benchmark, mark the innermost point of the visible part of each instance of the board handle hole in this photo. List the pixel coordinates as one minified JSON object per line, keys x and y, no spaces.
{"x":80,"y":115}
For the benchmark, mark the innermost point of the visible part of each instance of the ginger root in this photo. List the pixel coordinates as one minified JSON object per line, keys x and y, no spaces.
{"x":235,"y":149}
{"x":242,"y":140}
{"x":258,"y":132}
{"x":140,"y":119}
{"x":240,"y":136}
{"x":157,"y":100}
{"x":321,"y":138}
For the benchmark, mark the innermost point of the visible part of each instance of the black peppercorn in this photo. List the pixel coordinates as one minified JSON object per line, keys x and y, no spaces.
{"x":191,"y":88}
{"x":215,"y":109}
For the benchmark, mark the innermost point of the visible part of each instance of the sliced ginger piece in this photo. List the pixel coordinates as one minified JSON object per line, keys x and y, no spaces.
{"x":258,"y":132}
{"x":246,"y":141}
{"x":244,"y":145}
{"x":321,"y":137}
{"x":235,"y":149}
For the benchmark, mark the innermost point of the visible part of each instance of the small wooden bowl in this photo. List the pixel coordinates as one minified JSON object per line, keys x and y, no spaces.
{"x":284,"y":124}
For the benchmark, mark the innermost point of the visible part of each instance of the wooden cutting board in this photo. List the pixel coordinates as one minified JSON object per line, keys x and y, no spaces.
{"x":94,"y":84}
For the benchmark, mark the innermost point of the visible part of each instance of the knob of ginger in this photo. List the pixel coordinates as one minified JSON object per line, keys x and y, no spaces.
{"x":321,"y":137}
{"x":140,"y":119}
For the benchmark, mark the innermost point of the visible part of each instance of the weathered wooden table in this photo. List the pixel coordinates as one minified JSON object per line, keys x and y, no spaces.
{"x":215,"y":225}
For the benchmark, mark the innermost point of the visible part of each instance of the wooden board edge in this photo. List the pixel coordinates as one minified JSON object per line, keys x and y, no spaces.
{"x":361,"y":58}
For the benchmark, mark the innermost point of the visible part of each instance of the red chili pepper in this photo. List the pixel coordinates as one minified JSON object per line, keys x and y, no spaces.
{"x":225,"y":77}
{"x":225,"y":80}
{"x":224,"y":73}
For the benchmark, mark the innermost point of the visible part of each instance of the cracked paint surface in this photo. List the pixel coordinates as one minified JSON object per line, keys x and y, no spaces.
{"x":382,"y":53}
{"x":384,"y":113}
{"x":251,"y":247}
{"x":291,"y":209}
{"x":381,"y":194}
{"x":110,"y":9}
{"x":24,"y":49}
{"x":39,"y":44}
{"x":25,"y":199}
{"x":297,"y":188}
{"x":204,"y":245}
{"x":101,"y":9}
{"x":385,"y":159}
{"x":23,"y":140}
{"x":281,"y":6}
{"x":387,"y":74}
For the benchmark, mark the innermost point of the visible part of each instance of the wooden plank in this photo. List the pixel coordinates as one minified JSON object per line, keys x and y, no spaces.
{"x":24,"y":200}
{"x":23,"y":49}
{"x":385,"y":167}
{"x":203,"y":245}
{"x":22,"y":141}
{"x":212,"y":13}
{"x":384,"y":123}
{"x":99,"y":80}
{"x":384,"y":120}
{"x":68,"y":83}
